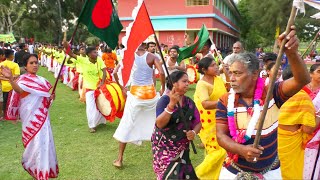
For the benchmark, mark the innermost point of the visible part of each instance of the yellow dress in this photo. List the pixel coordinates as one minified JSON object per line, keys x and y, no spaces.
{"x":214,"y":154}
{"x":296,"y":110}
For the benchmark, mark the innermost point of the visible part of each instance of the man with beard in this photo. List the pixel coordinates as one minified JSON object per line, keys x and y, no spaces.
{"x":238,"y":112}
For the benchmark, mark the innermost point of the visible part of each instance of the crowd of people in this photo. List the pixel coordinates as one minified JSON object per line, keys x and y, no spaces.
{"x":224,"y":111}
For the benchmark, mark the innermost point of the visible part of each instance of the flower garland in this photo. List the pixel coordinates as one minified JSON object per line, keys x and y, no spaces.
{"x":242,"y":136}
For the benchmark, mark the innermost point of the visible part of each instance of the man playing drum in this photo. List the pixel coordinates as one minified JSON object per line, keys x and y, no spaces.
{"x":94,"y":70}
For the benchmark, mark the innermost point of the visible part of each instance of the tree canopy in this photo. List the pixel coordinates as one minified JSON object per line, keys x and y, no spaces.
{"x":43,"y":20}
{"x":259,"y":20}
{"x":40,"y":19}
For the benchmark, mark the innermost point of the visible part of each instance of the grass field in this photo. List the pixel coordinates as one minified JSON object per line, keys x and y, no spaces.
{"x":81,"y":155}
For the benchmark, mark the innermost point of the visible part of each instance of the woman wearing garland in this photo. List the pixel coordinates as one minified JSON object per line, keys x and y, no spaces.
{"x":238,"y":112}
{"x":170,"y":140}
{"x":208,"y":91}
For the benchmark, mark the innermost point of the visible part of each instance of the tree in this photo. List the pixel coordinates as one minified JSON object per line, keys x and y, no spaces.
{"x":42,"y":19}
{"x":259,"y":21}
{"x":10,"y":13}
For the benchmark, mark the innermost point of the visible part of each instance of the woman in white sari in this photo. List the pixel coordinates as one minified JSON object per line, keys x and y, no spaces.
{"x":30,"y":101}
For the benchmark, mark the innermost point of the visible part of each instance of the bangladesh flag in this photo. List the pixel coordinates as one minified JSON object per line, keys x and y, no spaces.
{"x":102,"y":20}
{"x":201,"y":39}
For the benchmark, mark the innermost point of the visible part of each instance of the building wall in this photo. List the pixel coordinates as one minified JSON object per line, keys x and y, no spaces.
{"x":171,"y":38}
{"x":173,"y":19}
{"x":165,"y":12}
{"x":162,"y":7}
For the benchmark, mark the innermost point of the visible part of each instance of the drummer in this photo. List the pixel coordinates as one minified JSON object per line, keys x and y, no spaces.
{"x":94,"y":70}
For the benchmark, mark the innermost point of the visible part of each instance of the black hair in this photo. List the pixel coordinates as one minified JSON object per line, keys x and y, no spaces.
{"x":8,"y":52}
{"x":269,"y":57}
{"x":270,"y":66}
{"x":22,"y":45}
{"x":314,"y":67}
{"x":175,"y":77}
{"x":142,"y":46}
{"x":204,"y":63}
{"x":165,"y":45}
{"x":107,"y":49}
{"x":90,"y":49}
{"x":287,"y":73}
{"x":84,"y":47}
{"x":75,"y":51}
{"x":121,"y":45}
{"x":176,"y":47}
{"x":148,"y":44}
{"x":26,"y":58}
{"x":208,"y":43}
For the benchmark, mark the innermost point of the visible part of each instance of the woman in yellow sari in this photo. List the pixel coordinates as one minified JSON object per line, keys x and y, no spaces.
{"x":208,"y":91}
{"x":297,"y":122}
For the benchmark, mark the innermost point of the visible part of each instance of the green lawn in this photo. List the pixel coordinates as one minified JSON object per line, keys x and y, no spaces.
{"x":81,"y":155}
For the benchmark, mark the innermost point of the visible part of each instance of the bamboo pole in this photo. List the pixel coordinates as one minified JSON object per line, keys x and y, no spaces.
{"x":273,"y":79}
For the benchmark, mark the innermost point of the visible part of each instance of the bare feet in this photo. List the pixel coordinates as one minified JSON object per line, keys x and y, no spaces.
{"x":92,"y":130}
{"x":117,"y":163}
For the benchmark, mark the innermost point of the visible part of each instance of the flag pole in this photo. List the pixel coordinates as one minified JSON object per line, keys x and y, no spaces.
{"x":170,"y":81}
{"x":216,"y":50}
{"x":273,"y":79}
{"x":64,"y":60}
{"x":315,"y":38}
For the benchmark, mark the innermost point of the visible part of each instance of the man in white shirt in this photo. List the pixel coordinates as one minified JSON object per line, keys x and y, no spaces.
{"x":236,"y":49}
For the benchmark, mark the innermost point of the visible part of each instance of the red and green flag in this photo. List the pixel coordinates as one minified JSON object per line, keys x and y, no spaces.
{"x":201,"y":39}
{"x":102,"y":20}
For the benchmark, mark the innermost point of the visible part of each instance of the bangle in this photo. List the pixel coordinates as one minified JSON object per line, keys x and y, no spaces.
{"x":166,"y":110}
{"x":194,"y":132}
{"x":171,"y":109}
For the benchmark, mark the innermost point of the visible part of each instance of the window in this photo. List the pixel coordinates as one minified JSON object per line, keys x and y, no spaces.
{"x":197,"y":2}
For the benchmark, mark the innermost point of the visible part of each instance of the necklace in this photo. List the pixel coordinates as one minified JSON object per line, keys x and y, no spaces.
{"x":242,"y":136}
{"x":235,"y":134}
